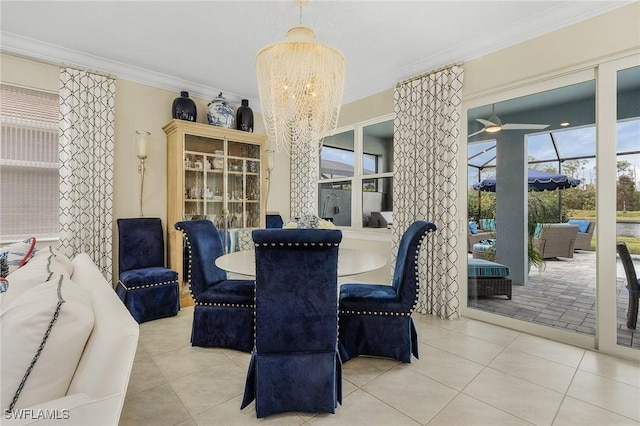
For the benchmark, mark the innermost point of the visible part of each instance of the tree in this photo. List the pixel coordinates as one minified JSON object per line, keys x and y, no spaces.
{"x":627,"y":196}
{"x":572,"y":167}
{"x":623,"y":166}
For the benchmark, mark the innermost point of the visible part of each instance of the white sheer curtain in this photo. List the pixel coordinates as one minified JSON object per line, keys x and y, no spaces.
{"x":426,"y":130}
{"x":87,"y":103}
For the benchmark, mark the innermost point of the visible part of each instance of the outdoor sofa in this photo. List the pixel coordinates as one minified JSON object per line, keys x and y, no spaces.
{"x":586,"y":228}
{"x":556,"y":240}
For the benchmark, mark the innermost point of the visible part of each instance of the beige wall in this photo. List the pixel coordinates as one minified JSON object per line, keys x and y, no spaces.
{"x":581,"y":44}
{"x":149,"y":108}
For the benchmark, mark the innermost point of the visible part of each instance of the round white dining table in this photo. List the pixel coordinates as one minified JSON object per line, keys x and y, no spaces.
{"x":350,"y":262}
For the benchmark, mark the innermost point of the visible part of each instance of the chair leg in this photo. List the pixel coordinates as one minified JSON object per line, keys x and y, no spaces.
{"x":632,"y":313}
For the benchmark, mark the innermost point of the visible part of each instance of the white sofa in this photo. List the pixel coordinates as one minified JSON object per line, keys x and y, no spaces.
{"x":91,"y":313}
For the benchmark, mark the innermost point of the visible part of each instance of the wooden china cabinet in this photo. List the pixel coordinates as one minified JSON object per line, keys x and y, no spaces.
{"x":213,"y":173}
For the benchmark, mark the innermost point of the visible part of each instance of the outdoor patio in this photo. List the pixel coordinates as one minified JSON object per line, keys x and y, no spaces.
{"x":563,"y":296}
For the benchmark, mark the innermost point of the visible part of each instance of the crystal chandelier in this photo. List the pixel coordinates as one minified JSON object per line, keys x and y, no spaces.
{"x":300,"y":83}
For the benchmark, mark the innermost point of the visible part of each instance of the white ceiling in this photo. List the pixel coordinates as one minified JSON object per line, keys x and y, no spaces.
{"x":207,"y":47}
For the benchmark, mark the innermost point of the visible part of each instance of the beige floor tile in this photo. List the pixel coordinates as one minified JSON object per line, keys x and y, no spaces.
{"x":402,"y":388}
{"x":155,"y":407}
{"x":189,"y":422}
{"x":165,"y":338}
{"x":445,"y":367}
{"x":362,"y":370}
{"x":229,"y":414}
{"x":489,"y":332}
{"x":144,"y":375}
{"x":465,"y":346}
{"x":205,"y":385}
{"x":574,"y":412}
{"x":241,"y":359}
{"x":141,"y":353}
{"x":534,"y":369}
{"x":518,"y":397}
{"x":438,"y":322}
{"x":163,"y":326}
{"x":207,"y":388}
{"x":548,"y":349}
{"x":609,"y":394}
{"x":467,"y":411}
{"x":348,"y":387}
{"x":361,"y":408}
{"x":614,"y":368}
{"x":187,"y":360}
{"x":429,"y":331}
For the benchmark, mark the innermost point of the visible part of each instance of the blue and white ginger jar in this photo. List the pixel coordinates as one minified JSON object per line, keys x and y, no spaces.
{"x":219,"y":113}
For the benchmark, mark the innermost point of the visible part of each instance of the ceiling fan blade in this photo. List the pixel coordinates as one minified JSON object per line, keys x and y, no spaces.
{"x":486,"y":122}
{"x":476,"y":133}
{"x":522,"y":126}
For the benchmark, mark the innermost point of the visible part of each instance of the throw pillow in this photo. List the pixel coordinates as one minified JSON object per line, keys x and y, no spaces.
{"x":46,"y":263}
{"x":583,"y":225}
{"x":473,"y":228}
{"x":46,"y":328}
{"x":14,"y":256}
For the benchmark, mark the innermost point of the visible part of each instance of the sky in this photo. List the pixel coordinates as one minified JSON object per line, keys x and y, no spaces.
{"x":575,"y":142}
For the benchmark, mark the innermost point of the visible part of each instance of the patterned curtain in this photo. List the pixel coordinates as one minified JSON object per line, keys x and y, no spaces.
{"x":86,"y":165}
{"x":426,"y":131}
{"x":304,"y":182}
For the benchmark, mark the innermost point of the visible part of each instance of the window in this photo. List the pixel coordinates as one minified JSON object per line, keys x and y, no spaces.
{"x":356,"y":175}
{"x":29,"y":187}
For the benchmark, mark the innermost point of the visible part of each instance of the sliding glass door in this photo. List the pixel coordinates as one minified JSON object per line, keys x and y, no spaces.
{"x":551,"y":169}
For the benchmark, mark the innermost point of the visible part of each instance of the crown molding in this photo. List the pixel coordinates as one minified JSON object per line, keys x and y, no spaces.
{"x":61,"y":56}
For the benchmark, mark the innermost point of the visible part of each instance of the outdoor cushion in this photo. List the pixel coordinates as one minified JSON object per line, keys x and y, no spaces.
{"x":484,"y":245}
{"x":473,"y":227}
{"x":488,"y":224}
{"x":583,"y":225}
{"x":480,"y":268}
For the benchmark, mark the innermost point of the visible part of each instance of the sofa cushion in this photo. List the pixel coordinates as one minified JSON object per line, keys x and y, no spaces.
{"x":583,"y":225}
{"x":14,"y":256}
{"x":480,"y":268}
{"x":46,"y":263}
{"x":44,"y":332}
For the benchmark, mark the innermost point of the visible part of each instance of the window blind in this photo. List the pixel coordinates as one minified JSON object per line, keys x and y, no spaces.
{"x":29,"y":177}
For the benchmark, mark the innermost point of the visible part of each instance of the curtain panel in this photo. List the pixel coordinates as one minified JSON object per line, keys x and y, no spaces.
{"x":304,"y":180}
{"x":426,"y":131}
{"x":86,"y":147}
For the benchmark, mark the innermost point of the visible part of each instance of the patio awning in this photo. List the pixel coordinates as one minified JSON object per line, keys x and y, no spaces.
{"x":537,"y":180}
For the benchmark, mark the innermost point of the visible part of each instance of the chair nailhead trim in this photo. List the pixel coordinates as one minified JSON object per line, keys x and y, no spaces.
{"x":188,"y":242}
{"x":282,"y":244}
{"x":224,"y":305}
{"x":415,"y":303}
{"x":147,"y":285}
{"x":388,"y":314}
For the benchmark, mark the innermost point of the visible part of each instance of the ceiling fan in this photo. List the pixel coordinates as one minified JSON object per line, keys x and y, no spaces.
{"x":494,"y":124}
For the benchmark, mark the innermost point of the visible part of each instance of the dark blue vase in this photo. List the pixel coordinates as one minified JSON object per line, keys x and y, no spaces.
{"x":184,"y":108}
{"x":244,"y":117}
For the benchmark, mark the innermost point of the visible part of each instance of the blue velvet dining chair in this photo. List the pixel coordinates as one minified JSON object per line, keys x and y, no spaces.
{"x":375,"y":319}
{"x":274,"y":221}
{"x":145,"y":286}
{"x":295,"y":365}
{"x":223,"y":311}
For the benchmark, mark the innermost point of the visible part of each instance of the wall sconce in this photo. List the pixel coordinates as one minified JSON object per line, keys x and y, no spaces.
{"x":142,"y":140}
{"x":268,"y":166}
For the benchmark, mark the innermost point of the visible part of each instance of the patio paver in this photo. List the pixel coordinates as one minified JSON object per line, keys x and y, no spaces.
{"x":563,"y":295}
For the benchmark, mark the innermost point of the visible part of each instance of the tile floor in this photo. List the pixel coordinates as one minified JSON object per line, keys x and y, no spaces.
{"x":469,"y":373}
{"x":564,"y":296}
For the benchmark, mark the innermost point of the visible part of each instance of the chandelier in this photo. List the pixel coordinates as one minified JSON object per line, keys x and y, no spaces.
{"x":300,"y":84}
